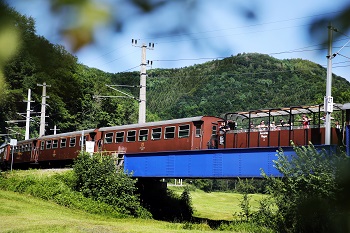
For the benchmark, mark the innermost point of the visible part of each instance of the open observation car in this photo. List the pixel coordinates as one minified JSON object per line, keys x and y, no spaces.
{"x":277,"y":127}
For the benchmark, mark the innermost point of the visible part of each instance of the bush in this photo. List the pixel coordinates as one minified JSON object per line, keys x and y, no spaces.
{"x":238,"y":226}
{"x":307,"y":195}
{"x":98,"y":178}
{"x":54,"y":188}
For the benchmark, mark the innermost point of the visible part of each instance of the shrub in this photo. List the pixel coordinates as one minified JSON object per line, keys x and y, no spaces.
{"x":98,"y":178}
{"x":54,"y":188}
{"x":306,"y":196}
{"x":186,"y":205}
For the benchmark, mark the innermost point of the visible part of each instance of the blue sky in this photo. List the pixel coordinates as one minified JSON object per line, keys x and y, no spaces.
{"x":215,"y":29}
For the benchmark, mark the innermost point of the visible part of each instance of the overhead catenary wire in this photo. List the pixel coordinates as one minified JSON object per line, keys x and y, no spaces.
{"x":299,"y":50}
{"x":241,"y":27}
{"x":130,"y":69}
{"x":344,"y":56}
{"x":225,"y":29}
{"x":107,"y":53}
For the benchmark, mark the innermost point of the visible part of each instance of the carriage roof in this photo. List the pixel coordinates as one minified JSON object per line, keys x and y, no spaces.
{"x":156,"y":123}
{"x":294,"y":110}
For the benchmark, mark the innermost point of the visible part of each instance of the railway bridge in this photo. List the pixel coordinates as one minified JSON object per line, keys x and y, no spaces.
{"x":214,"y":163}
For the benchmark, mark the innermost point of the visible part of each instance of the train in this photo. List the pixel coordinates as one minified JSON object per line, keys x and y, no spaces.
{"x":233,"y":130}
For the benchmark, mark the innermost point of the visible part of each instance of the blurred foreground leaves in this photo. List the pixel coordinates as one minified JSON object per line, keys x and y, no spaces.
{"x":9,"y":43}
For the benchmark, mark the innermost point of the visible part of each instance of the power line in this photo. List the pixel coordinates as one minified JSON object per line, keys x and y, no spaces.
{"x":190,"y":59}
{"x":235,"y":34}
{"x":223,"y":57}
{"x":343,"y":56}
{"x":218,"y":30}
{"x":105,"y":54}
{"x":341,"y":66}
{"x":119,"y":58}
{"x":242,"y":27}
{"x":130,"y":69}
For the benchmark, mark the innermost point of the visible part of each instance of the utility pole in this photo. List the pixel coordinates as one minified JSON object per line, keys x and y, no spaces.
{"x":328,"y":99}
{"x":143,"y":75}
{"x":26,"y":137}
{"x":43,"y":108}
{"x":54,"y":130}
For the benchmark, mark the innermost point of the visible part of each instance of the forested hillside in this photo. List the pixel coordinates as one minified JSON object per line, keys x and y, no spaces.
{"x":71,"y":104}
{"x":241,"y":82}
{"x":238,"y":83}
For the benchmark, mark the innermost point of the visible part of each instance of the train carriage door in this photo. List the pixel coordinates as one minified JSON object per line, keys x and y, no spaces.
{"x":34,"y":154}
{"x":197,"y":135}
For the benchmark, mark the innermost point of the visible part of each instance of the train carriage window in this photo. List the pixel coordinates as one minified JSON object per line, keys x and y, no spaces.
{"x":54,"y":143}
{"x":42,"y":145}
{"x":63,"y":142}
{"x":84,"y":140}
{"x":143,"y":134}
{"x":156,"y":133}
{"x":198,"y":131}
{"x":119,"y":137}
{"x":131,"y":137}
{"x":169,"y":132}
{"x":72,"y":141}
{"x":184,"y":131}
{"x":48,"y":144}
{"x":214,"y":130}
{"x":26,"y":147}
{"x":108,"y":138}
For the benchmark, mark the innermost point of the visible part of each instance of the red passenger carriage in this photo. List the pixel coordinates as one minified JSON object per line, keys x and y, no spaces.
{"x":235,"y":130}
{"x":53,"y":150}
{"x":180,"y":134}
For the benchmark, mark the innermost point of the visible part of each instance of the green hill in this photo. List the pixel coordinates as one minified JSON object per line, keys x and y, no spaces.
{"x":238,"y":83}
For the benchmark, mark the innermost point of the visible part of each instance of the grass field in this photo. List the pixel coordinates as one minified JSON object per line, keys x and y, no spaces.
{"x":20,"y":213}
{"x":24,"y":213}
{"x":218,"y":205}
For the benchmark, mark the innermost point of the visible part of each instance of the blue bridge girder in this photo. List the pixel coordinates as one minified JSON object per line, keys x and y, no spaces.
{"x":214,"y":163}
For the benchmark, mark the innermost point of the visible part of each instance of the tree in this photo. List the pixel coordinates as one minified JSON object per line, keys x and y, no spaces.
{"x":307,"y":197}
{"x":98,"y":178}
